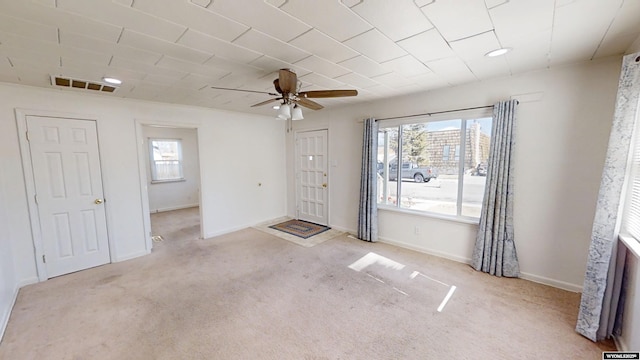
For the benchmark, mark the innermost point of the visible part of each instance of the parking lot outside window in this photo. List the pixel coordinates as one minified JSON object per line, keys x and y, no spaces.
{"x":443,"y":166}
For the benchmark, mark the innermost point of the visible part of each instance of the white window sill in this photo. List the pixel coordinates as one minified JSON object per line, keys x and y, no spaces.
{"x":167,"y":181}
{"x":632,"y":244}
{"x":459,"y":219}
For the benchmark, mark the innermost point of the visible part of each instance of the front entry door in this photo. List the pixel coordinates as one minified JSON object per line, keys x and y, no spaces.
{"x":312,"y":177}
{"x":69,"y":195}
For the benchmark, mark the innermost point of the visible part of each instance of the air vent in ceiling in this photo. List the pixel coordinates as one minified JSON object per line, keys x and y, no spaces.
{"x":81,"y":84}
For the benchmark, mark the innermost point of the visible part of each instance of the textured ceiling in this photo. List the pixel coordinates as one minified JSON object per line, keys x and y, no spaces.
{"x":176,"y":50}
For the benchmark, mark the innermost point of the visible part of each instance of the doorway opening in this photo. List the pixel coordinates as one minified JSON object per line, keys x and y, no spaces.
{"x":170,"y":169}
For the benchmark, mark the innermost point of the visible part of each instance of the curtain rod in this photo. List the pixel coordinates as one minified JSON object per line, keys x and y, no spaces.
{"x":435,"y":113}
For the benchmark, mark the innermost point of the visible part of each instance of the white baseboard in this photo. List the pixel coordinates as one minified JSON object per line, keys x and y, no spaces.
{"x":180,"y":207}
{"x":551,"y":282}
{"x":4,"y":319}
{"x":132,"y":256}
{"x":441,"y":254}
{"x":225,"y":231}
{"x":339,"y":228}
{"x":620,"y":344}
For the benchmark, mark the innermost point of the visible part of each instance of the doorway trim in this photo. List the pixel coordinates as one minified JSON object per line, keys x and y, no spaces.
{"x":30,"y":187}
{"x":143,"y":161}
{"x":296,"y":169}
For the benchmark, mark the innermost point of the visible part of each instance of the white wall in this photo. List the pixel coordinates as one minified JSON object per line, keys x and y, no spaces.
{"x":563,"y":127}
{"x":248,"y":146}
{"x":164,"y":196}
{"x":8,"y":281}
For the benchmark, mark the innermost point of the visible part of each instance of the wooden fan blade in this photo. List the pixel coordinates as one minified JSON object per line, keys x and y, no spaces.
{"x":309,"y":104}
{"x":266,"y":102}
{"x":276,"y":84}
{"x":327,"y":93}
{"x":288,"y":81}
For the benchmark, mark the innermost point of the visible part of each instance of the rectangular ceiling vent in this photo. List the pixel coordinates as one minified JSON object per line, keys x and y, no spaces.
{"x":81,"y":84}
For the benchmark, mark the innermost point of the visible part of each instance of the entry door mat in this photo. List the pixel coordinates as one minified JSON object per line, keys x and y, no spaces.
{"x":300,"y":228}
{"x":325,"y":234}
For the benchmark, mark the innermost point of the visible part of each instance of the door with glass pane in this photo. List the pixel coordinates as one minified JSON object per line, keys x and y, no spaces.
{"x":312,"y":179}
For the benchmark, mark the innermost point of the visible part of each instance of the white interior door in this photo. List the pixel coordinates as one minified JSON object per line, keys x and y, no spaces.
{"x":69,"y":196}
{"x":312,"y":177}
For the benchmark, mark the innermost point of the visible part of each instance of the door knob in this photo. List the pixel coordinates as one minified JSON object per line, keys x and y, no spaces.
{"x":98,"y":201}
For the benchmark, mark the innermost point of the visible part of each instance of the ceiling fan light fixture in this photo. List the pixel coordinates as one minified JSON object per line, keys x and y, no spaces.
{"x":497,"y":52}
{"x":296,"y":113}
{"x":284,"y":112}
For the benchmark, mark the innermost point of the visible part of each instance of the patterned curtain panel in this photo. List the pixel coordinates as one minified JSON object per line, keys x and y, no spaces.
{"x":601,"y":293}
{"x":495,"y":251}
{"x":368,"y":213}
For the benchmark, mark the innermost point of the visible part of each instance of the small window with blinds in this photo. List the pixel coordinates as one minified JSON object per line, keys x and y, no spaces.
{"x":631,"y":215}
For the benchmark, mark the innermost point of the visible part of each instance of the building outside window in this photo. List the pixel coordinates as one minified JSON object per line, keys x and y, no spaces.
{"x":440,"y":162}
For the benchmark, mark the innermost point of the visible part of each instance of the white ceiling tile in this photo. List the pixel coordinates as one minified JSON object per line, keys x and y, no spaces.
{"x":118,"y":62}
{"x":322,"y":67}
{"x":452,"y":68}
{"x":475,"y":47}
{"x":530,"y":52}
{"x":80,"y":56}
{"x":321,"y":81}
{"x":203,"y":3}
{"x":127,"y":17}
{"x":398,"y":19}
{"x":407,"y":66}
{"x":393,"y":80}
{"x":71,"y":39}
{"x":193,"y":17}
{"x":234,"y":67}
{"x":271,"y":65}
{"x":189,"y":67}
{"x":351,"y":3}
{"x":262,"y":16}
{"x":376,"y":46}
{"x":488,"y":67}
{"x":457,"y":19}
{"x":590,"y":19}
{"x":270,"y":46}
{"x":209,"y":44}
{"x":364,"y":66}
{"x":421,"y":3}
{"x":427,"y":46}
{"x":28,"y":29}
{"x":622,"y":32}
{"x":331,"y":17}
{"x":276,"y":3}
{"x":160,"y":79}
{"x":321,"y":45}
{"x":495,"y":3}
{"x":63,"y":20}
{"x":124,"y":2}
{"x":195,"y":81}
{"x":516,"y":19}
{"x":141,"y":41}
{"x":357,"y":80}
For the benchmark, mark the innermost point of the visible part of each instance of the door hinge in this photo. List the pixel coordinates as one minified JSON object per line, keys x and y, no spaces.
{"x":44,"y":259}
{"x":27,"y":135}
{"x":35,"y":197}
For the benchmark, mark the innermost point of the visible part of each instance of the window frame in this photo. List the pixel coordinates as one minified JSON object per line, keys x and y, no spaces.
{"x":153,"y":164}
{"x":464,"y":116}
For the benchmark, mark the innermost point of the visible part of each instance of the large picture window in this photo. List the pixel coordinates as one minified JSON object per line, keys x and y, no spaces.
{"x":443,"y":166}
{"x":166,"y":160}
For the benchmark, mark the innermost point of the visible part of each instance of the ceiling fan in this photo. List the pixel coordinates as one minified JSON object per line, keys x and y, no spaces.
{"x":288,"y":94}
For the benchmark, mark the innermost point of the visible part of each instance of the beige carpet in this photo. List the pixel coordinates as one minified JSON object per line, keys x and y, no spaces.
{"x":250,"y":295}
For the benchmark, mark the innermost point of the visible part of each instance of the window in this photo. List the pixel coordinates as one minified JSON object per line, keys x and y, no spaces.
{"x":631,"y":215}
{"x":443,"y":167}
{"x":166,"y":160}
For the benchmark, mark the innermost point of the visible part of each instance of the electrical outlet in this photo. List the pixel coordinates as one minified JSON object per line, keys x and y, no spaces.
{"x":416,"y":230}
